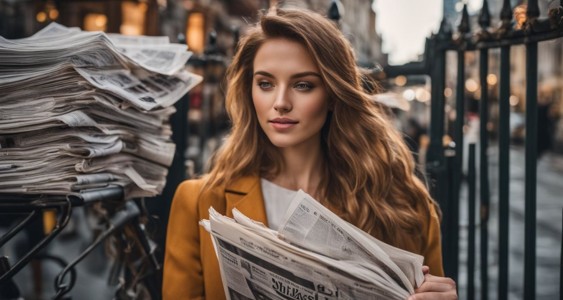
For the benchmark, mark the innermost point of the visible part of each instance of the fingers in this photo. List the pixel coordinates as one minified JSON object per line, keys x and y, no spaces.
{"x":435,"y":287}
{"x":434,"y":296}
{"x":425,"y":270}
{"x":445,"y":280}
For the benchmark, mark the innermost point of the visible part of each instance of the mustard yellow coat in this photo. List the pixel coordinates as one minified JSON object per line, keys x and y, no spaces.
{"x":191,"y":269}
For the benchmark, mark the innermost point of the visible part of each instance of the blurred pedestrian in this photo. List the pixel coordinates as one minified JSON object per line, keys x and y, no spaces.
{"x":545,"y":129}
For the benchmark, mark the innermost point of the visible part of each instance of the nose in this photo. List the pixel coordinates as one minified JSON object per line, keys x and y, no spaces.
{"x":282,"y":102}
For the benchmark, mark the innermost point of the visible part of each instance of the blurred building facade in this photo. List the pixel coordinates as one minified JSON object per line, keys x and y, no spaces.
{"x":357,"y":22}
{"x":21,"y":18}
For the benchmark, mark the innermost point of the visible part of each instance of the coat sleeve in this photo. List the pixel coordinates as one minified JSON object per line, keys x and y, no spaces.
{"x":433,"y":247}
{"x":182,"y":274}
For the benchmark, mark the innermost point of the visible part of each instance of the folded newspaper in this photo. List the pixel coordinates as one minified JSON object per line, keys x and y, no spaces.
{"x":314,"y":255}
{"x":82,"y":111}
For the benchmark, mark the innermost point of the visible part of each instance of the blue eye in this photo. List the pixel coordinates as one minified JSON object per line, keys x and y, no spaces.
{"x":303,"y":86}
{"x":265,"y":85}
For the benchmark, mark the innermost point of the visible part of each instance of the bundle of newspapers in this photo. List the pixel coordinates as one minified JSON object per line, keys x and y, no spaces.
{"x":314,"y":255}
{"x":81,"y":111}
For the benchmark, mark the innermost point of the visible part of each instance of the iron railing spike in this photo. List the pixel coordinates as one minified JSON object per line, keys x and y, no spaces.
{"x":485,"y":16}
{"x":533,"y":10}
{"x":464,"y":26}
{"x":445,"y":31}
{"x":506,"y":11}
{"x":334,"y":11}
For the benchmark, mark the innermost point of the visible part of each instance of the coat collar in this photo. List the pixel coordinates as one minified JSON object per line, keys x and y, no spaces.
{"x":245,"y":194}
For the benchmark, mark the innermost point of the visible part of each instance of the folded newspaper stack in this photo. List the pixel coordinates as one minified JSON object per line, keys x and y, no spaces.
{"x":314,"y":255}
{"x":85,"y":110}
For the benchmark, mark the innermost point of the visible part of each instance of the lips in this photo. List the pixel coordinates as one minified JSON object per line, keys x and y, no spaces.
{"x":283,"y":123}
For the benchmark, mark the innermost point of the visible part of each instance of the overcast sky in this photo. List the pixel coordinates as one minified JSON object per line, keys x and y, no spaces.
{"x":405,"y":24}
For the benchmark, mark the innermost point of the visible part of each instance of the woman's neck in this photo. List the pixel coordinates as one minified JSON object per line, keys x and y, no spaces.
{"x":301,"y":169}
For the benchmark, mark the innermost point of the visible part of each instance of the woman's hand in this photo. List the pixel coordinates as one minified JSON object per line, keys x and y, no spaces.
{"x":435,"y":287}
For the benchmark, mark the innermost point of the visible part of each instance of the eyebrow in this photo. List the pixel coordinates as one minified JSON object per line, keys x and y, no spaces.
{"x":297,"y":75}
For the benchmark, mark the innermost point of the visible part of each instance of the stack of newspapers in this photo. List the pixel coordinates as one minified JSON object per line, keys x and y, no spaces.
{"x":314,"y":255}
{"x":81,"y":111}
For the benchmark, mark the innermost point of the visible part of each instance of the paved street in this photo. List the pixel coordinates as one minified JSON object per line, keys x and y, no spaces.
{"x":549,"y":224}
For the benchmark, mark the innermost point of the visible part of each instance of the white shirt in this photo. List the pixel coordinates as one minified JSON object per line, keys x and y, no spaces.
{"x":276,"y":202}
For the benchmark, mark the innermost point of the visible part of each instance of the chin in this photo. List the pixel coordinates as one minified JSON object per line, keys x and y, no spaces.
{"x":281,"y":144}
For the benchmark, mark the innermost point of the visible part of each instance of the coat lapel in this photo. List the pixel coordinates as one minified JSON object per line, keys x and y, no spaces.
{"x":245,"y":194}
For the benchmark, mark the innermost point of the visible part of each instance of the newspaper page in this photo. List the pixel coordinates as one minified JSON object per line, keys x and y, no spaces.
{"x":257,"y":262}
{"x":253,"y":267}
{"x":324,"y":232}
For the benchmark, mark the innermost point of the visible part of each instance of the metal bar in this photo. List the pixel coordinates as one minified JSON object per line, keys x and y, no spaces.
{"x":18,"y":203}
{"x":14,"y":204}
{"x":464,"y":28}
{"x":471,"y":224}
{"x":152,"y":279}
{"x":504,"y":171}
{"x":435,"y":158}
{"x":484,"y":16}
{"x":18,"y":227}
{"x":62,"y":222}
{"x":117,"y":221}
{"x":458,"y":168}
{"x":412,"y":68}
{"x":533,"y":9}
{"x":506,"y":12}
{"x":146,"y":244}
{"x":110,"y":193}
{"x":531,"y":170}
{"x":517,"y":37}
{"x":8,"y":289}
{"x":484,"y":168}
{"x":448,"y":256}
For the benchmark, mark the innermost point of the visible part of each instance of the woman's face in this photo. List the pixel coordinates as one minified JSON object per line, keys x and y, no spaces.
{"x":288,"y":94}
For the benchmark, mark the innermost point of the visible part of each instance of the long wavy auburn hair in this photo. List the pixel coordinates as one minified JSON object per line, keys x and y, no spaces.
{"x":368,"y":172}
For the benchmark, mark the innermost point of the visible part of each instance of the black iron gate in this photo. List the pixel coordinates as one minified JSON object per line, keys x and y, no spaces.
{"x":444,"y":163}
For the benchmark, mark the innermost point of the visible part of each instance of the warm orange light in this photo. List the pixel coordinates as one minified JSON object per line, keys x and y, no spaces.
{"x":133,"y":18}
{"x":101,"y":21}
{"x":95,"y":22}
{"x":195,"y":32}
{"x":53,"y":14}
{"x":471,"y":85}
{"x":400,"y":80}
{"x":41,"y":17}
{"x":425,"y":97}
{"x":448,"y":92}
{"x":514,"y":100}
{"x":492,"y":79}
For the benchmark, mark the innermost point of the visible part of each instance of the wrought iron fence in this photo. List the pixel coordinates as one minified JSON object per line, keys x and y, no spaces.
{"x":444,"y":164}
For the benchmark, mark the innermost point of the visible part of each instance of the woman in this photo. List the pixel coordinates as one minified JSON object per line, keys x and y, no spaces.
{"x":300,"y":120}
